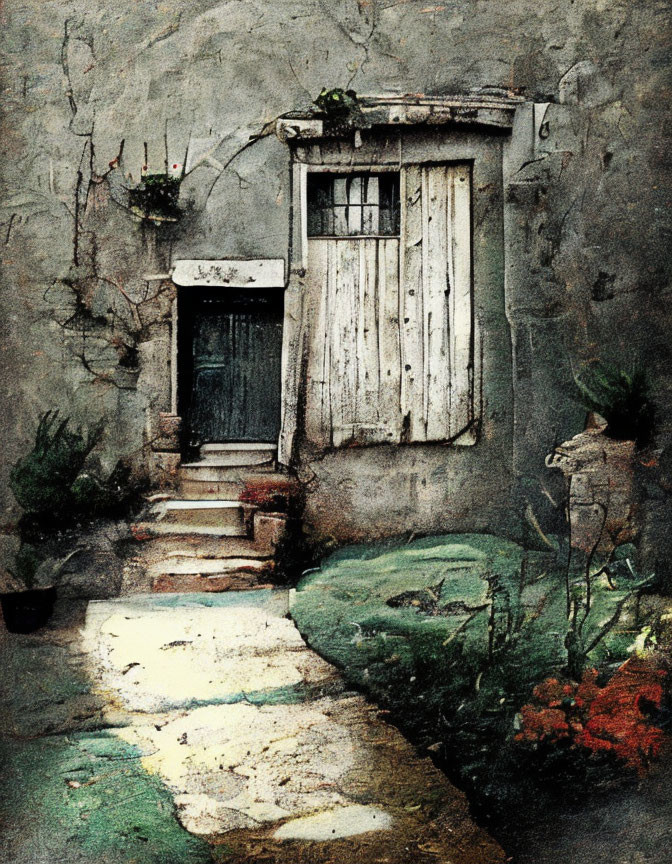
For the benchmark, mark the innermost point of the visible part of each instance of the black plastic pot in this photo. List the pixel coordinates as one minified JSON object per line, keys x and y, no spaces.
{"x":27,"y":611}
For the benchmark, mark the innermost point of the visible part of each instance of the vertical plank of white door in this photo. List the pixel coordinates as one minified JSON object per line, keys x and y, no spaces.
{"x":437,"y":293}
{"x":389,"y":341}
{"x":368,"y":361}
{"x":318,"y":371}
{"x":411,"y":305}
{"x":343,"y":304}
{"x":461,"y":303}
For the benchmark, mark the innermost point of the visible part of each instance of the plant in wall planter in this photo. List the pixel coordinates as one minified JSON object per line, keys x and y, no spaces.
{"x":155,"y":198}
{"x":339,"y":108}
{"x":622,"y":398}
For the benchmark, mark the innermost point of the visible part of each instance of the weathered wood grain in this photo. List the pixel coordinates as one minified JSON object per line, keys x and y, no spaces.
{"x":461,"y":304}
{"x":411,"y":306}
{"x":391,"y":340}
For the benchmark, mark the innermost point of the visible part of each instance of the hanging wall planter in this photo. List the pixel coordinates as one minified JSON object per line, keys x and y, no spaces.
{"x":155,"y":198}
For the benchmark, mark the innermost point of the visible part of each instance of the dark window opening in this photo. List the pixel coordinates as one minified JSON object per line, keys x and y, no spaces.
{"x":351,"y":205}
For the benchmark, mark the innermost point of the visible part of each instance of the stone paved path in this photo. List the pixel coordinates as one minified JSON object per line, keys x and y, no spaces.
{"x":266,"y":754}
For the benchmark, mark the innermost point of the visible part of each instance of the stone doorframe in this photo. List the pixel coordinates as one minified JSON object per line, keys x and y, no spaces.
{"x":194,"y":274}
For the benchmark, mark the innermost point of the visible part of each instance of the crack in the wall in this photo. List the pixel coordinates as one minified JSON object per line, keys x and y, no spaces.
{"x":267,"y":129}
{"x":166,"y":33}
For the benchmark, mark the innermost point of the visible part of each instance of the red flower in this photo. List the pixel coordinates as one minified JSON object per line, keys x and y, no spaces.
{"x":550,"y":692}
{"x":613,"y":718}
{"x":541,"y":724}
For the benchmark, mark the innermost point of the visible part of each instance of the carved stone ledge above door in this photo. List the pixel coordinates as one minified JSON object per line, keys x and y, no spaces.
{"x":230,"y":273}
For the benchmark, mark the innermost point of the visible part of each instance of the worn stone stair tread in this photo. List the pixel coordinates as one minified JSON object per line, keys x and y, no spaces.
{"x":221,"y":462}
{"x":188,"y":564}
{"x":232,"y":472}
{"x":217,"y":514}
{"x":201,"y":504}
{"x":230,"y":455}
{"x":196,"y":583}
{"x":156,"y":529}
{"x":218,"y":483}
{"x":204,"y":546}
{"x":207,"y":556}
{"x":243,"y":445}
{"x":203,"y":491}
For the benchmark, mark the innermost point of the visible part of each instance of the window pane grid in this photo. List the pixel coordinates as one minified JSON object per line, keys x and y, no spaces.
{"x":351,"y":205}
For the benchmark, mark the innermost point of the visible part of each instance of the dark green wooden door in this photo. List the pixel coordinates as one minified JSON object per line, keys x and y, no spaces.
{"x":236,"y":345}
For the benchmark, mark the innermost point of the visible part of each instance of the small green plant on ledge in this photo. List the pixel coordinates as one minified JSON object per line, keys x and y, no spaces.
{"x":155,"y":198}
{"x":338,"y":105}
{"x":622,"y":398}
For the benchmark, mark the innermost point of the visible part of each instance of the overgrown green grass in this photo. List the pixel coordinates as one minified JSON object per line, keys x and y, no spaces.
{"x":458,"y":670}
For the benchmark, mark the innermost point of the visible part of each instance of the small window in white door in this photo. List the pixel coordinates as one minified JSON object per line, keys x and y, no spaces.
{"x":353,"y":205}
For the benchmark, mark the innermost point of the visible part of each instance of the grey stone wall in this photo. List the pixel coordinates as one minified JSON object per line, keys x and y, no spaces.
{"x":585,"y":209}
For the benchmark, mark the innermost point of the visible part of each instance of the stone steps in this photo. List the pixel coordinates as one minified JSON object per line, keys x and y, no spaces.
{"x":197,"y":484}
{"x":204,"y":513}
{"x":235,"y":455}
{"x":183,"y":557}
{"x":202,"y":537}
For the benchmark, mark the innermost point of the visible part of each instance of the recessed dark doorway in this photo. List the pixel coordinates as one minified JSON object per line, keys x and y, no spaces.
{"x":229,"y":356}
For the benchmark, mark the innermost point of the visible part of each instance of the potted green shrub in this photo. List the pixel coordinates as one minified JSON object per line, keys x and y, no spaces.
{"x":47,"y":482}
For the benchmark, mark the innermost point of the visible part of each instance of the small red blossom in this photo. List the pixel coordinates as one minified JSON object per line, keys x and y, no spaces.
{"x":272,"y":493}
{"x":550,"y":692}
{"x":541,"y":724}
{"x":614,"y":718}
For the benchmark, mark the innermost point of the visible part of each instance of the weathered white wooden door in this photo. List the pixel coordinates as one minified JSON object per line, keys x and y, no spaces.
{"x":390,"y":351}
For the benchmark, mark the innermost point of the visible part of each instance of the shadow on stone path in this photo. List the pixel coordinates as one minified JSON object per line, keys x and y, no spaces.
{"x":233,"y":724}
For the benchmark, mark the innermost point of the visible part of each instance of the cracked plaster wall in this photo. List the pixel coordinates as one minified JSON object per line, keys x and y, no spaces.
{"x":586,"y":204}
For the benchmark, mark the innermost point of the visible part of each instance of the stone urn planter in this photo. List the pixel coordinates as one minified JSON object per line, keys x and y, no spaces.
{"x":602,"y":494}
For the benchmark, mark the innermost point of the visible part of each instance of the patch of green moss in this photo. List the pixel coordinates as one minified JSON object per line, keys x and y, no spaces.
{"x":86,"y":798}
